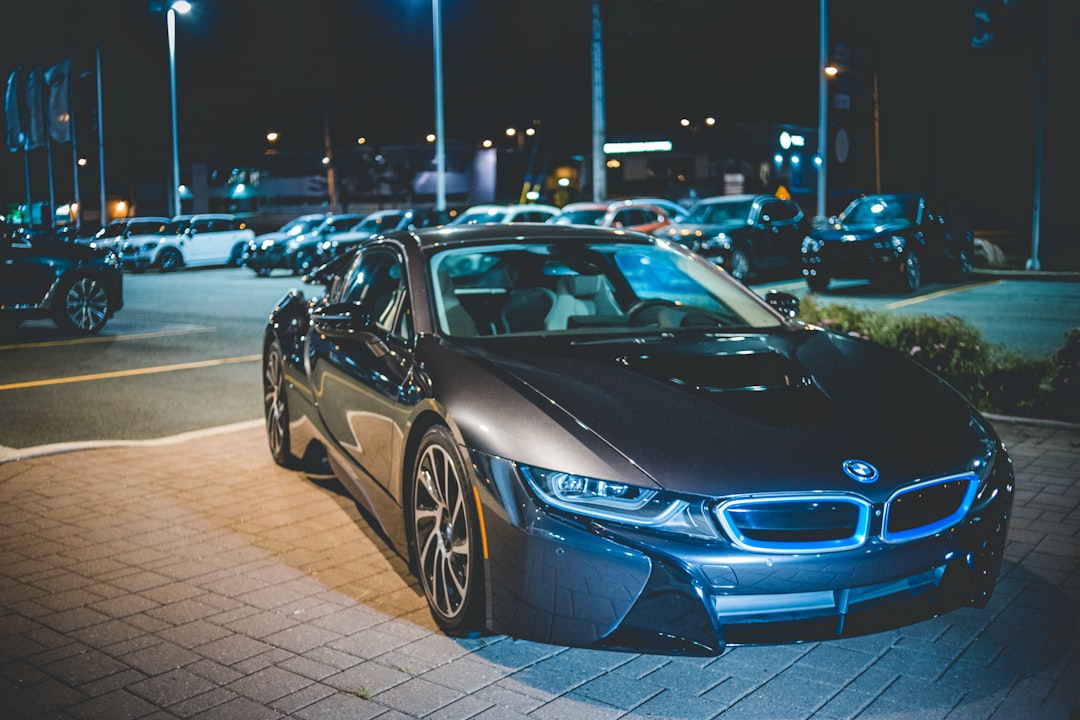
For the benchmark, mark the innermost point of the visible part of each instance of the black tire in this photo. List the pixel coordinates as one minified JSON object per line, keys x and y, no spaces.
{"x":738,"y":265}
{"x":276,"y":407}
{"x":81,"y":305}
{"x":169,"y":260}
{"x":818,"y":283}
{"x":446,"y":547}
{"x":911,"y":276}
{"x":236,"y":257}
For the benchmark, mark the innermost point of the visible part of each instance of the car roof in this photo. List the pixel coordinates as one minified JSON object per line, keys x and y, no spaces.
{"x":499,"y":233}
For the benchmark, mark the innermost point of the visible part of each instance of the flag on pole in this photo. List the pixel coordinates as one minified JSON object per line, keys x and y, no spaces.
{"x":13,"y":113}
{"x":58,"y":78}
{"x":35,"y":121}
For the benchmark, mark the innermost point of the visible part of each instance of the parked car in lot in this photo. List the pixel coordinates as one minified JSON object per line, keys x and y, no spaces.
{"x":190,"y":241}
{"x":746,"y":234}
{"x":590,"y":437}
{"x":297,"y":252}
{"x":675,"y":211}
{"x":79,"y":287}
{"x":529,"y":212}
{"x":380,"y":221}
{"x":635,"y":215}
{"x":135,"y":230}
{"x":892,"y":240}
{"x":580,"y":213}
{"x":267,"y":251}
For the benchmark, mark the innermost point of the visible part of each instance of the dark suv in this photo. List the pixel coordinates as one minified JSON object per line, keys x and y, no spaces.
{"x":78,"y":286}
{"x":746,"y":234}
{"x":892,"y":240}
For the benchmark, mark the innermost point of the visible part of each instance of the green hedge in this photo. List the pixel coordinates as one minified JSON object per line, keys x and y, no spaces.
{"x":993,"y":378}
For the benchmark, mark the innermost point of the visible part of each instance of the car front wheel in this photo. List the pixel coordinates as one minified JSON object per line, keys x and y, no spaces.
{"x":445,"y":535}
{"x":276,"y":406}
{"x":170,"y":259}
{"x":911,"y":275}
{"x":82,"y":305}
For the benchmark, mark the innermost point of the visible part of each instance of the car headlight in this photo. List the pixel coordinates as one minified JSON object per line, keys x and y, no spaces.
{"x":720,"y":242}
{"x":811,"y":245}
{"x":267,"y":244}
{"x":621,"y":503}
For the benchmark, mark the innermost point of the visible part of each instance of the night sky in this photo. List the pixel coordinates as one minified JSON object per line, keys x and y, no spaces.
{"x":953,"y":119}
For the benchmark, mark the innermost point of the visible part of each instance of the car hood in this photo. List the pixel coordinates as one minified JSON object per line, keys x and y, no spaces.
{"x":859,"y":233}
{"x":769,"y":412}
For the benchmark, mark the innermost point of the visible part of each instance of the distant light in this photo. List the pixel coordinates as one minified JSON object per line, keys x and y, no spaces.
{"x":532,"y":195}
{"x":361,"y":140}
{"x":564,"y":182}
{"x":623,"y":148}
{"x":795,"y":159}
{"x":778,"y":159}
{"x":613,"y":163}
{"x":832,"y":70}
{"x":685,"y":122}
{"x":817,"y":160}
{"x":272,"y":136}
{"x":325,"y":160}
{"x":530,"y":132}
{"x":511,"y":132}
{"x":785,"y":140}
{"x":239,"y":190}
{"x":487,"y":143}
{"x":121,"y":208}
{"x":181,"y":6}
{"x":710,"y":121}
{"x":82,"y":162}
{"x":798,"y":141}
{"x":431,"y":137}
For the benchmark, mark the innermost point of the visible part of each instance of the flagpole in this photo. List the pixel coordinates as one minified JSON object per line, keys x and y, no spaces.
{"x":74,"y":144}
{"x":101,"y":137}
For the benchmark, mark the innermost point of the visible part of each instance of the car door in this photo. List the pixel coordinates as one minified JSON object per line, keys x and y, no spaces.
{"x":198,"y":242}
{"x":782,"y":232}
{"x":360,"y":358}
{"x":25,"y":276}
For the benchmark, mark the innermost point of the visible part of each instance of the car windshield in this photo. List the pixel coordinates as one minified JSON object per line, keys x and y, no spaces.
{"x":299,"y":226}
{"x":880,"y":209}
{"x":580,"y":217}
{"x":377,"y":223}
{"x":720,"y":213}
{"x":481,"y":215}
{"x":586,"y":288}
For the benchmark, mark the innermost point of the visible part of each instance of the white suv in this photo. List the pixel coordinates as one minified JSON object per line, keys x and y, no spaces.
{"x":531,"y":212}
{"x":192,"y":240}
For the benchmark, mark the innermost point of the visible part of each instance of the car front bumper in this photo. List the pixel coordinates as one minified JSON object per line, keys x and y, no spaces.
{"x":579,"y":582}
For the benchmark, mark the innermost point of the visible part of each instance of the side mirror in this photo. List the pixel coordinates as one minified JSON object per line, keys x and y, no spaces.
{"x":348,"y":321}
{"x":784,"y":303}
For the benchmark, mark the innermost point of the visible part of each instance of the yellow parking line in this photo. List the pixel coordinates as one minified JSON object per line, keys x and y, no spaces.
{"x":130,"y":373}
{"x":107,"y":338}
{"x":939,"y":293}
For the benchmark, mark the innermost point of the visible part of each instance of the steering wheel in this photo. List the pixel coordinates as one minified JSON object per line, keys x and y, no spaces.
{"x":647,"y":312}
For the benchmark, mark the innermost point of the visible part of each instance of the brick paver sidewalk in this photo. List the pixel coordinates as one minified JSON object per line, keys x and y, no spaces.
{"x":197,"y":579}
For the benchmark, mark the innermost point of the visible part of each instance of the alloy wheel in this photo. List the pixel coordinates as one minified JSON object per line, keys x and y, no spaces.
{"x":442,"y":530}
{"x":274,"y":405}
{"x":85,"y":305}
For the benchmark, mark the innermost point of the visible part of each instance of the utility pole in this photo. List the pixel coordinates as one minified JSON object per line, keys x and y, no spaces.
{"x":599,"y":168}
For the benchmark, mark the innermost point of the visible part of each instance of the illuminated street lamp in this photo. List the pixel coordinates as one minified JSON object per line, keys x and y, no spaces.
{"x":183,"y":7}
{"x":833,"y":71}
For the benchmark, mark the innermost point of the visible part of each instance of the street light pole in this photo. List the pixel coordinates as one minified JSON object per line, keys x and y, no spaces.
{"x":440,"y":135}
{"x":833,"y":71}
{"x":182,"y":7}
{"x":823,"y":105}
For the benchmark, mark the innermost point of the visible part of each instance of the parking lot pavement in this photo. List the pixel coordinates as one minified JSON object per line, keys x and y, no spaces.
{"x":194,"y":578}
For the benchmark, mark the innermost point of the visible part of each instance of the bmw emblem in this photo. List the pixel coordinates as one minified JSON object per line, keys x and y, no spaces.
{"x":860,"y":471}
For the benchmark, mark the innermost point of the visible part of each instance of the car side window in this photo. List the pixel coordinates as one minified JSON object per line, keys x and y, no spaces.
{"x":376,"y":283}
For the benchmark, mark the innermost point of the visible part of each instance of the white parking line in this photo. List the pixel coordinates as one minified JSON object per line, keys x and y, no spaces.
{"x":8,"y":454}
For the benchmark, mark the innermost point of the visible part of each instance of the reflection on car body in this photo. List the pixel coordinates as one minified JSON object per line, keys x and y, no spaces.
{"x":596,"y":438}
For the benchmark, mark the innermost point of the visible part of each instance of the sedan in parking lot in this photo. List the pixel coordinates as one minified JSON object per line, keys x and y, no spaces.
{"x":296,"y":252}
{"x":592,"y":437}
{"x":746,"y":234}
{"x":267,"y":251}
{"x":892,"y":240}
{"x":77,"y":286}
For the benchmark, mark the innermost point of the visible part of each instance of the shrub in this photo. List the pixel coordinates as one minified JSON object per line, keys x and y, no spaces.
{"x":994,"y":379}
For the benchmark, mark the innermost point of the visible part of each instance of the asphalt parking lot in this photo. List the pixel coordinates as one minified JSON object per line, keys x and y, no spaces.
{"x":191,"y":577}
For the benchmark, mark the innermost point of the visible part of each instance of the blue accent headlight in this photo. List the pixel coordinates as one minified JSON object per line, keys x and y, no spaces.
{"x":621,"y":502}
